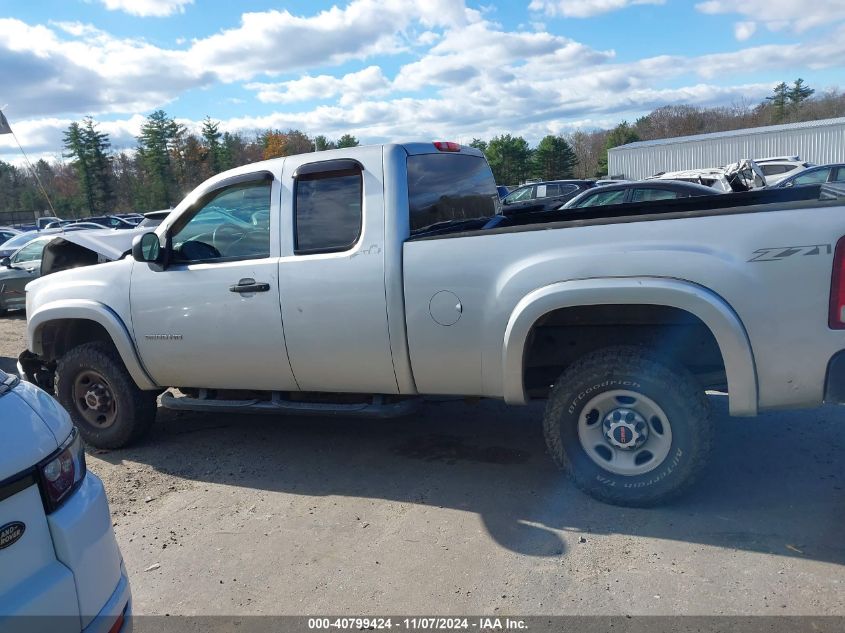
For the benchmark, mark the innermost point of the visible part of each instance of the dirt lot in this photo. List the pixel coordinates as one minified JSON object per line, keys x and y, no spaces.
{"x":458,"y":510}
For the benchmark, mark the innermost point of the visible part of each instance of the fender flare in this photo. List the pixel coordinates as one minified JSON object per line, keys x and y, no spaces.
{"x":710,"y":308}
{"x":99,"y":313}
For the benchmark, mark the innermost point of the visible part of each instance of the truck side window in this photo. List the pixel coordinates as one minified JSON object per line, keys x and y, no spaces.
{"x":234,"y":224}
{"x":327,"y":211}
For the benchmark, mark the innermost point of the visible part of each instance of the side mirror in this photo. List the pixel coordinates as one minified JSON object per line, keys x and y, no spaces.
{"x":146,"y":248}
{"x":6,"y":262}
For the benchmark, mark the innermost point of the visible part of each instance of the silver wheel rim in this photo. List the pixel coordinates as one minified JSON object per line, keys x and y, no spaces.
{"x":625,"y":432}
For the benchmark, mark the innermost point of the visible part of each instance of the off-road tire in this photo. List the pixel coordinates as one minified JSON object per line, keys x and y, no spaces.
{"x":136,"y":409}
{"x":636,"y":369}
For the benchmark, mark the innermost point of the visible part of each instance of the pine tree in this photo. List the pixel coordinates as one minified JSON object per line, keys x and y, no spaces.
{"x":321,"y":143}
{"x":778,"y":100}
{"x":211,"y":137}
{"x":75,"y":148}
{"x":478,"y":144}
{"x":799,"y":92}
{"x":88,"y":148}
{"x":97,"y":144}
{"x":554,"y":158}
{"x":347,"y":140}
{"x":509,"y":158}
{"x":158,"y":136}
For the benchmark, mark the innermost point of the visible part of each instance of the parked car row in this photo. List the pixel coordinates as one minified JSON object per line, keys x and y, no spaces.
{"x":569,"y":194}
{"x":815,"y":176}
{"x":119,"y":221}
{"x":778,"y":172}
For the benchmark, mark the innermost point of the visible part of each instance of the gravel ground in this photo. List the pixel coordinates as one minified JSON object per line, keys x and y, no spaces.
{"x":458,"y":510}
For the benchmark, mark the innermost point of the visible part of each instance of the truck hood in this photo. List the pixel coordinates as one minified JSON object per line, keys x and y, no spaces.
{"x":85,"y":248}
{"x":32,"y":425}
{"x":110,"y":243}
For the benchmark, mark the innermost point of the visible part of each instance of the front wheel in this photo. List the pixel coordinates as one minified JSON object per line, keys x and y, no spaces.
{"x":104,"y":402}
{"x":629,"y":428}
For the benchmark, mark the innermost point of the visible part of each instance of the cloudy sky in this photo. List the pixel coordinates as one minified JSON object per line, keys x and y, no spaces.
{"x":398,"y":69}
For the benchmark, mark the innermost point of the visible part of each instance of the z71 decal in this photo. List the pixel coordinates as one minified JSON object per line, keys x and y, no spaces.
{"x":777,"y":253}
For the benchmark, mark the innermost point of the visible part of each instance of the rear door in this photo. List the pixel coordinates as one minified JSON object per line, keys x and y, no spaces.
{"x":332,"y":273}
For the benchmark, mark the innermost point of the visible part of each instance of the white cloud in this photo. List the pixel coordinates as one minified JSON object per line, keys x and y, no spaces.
{"x":43,"y":137}
{"x":273,"y":42}
{"x":780,"y":14}
{"x":351,"y":87}
{"x":463,"y":75}
{"x":148,"y":8}
{"x":744,"y":30}
{"x":584,"y":8}
{"x":77,"y":68}
{"x":91,"y":71}
{"x":427,"y":38}
{"x":480,"y":55}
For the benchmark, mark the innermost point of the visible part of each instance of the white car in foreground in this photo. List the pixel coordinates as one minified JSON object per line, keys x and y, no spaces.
{"x":60,"y":566}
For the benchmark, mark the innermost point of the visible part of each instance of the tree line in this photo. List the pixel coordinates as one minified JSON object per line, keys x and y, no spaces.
{"x":167,"y":163}
{"x":169,"y":160}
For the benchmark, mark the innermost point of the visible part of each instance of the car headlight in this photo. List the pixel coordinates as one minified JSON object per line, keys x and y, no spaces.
{"x":62,"y":472}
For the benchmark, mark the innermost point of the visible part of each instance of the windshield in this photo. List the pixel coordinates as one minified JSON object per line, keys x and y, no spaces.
{"x":449,"y":187}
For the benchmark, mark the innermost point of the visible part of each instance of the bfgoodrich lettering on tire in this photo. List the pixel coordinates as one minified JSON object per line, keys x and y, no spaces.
{"x":629,"y":428}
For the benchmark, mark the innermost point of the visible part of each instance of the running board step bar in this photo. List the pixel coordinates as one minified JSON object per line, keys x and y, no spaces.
{"x":376,"y":408}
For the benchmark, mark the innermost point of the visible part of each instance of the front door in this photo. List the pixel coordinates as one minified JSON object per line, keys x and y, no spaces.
{"x":212,"y":317}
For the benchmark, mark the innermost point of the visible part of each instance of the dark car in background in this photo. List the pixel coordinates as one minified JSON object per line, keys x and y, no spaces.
{"x":111,"y":222}
{"x":18,"y":241}
{"x":814,"y":176}
{"x":543,"y":196}
{"x":642,"y":191}
{"x":7,"y":233}
{"x":19,"y":269}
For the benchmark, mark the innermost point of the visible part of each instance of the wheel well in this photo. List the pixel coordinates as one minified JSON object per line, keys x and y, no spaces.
{"x":57,"y":337}
{"x":562,"y":336}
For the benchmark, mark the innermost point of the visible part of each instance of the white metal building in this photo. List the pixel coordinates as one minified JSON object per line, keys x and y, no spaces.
{"x":817,"y":142}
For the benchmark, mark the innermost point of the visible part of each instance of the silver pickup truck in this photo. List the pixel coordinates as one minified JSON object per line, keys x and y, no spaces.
{"x":356,"y":281}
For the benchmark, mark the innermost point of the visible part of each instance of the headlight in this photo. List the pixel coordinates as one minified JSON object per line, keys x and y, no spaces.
{"x":62,"y":472}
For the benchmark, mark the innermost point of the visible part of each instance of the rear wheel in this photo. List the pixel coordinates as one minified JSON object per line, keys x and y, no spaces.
{"x":629,"y":428}
{"x":103,"y":401}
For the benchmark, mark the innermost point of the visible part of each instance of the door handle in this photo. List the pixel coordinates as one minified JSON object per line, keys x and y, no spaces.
{"x":249,"y":285}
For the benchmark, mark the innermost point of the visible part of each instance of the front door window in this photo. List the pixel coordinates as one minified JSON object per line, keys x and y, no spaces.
{"x":234,"y":224}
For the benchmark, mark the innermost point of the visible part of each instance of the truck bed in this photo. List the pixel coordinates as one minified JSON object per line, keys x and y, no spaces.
{"x":755,"y":201}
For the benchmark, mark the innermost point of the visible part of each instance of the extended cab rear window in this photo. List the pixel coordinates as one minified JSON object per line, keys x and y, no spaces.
{"x":447,"y":187}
